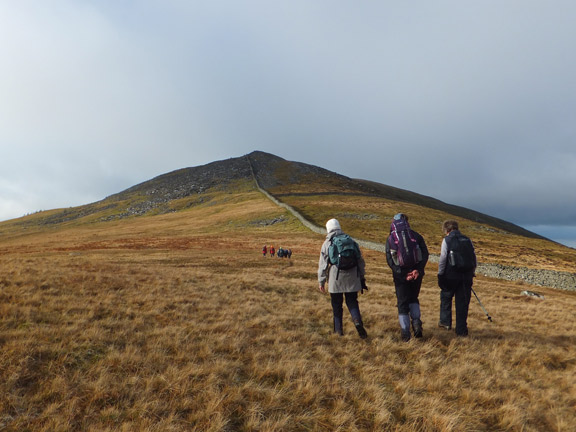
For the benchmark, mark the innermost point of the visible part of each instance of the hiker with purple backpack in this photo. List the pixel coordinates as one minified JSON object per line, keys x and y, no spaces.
{"x":407,"y":255}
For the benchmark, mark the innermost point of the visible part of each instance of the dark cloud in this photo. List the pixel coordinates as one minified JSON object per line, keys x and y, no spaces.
{"x":478,"y":100}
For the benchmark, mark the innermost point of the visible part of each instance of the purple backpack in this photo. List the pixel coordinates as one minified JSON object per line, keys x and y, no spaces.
{"x":403,"y":245}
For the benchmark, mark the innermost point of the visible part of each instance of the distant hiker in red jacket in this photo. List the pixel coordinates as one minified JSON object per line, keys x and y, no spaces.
{"x":264,"y":250}
{"x":272,"y":251}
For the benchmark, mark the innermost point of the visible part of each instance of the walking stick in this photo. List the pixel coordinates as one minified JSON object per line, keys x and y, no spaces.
{"x":481,"y":305}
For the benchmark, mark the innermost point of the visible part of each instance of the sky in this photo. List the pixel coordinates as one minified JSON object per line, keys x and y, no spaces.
{"x":472,"y":103}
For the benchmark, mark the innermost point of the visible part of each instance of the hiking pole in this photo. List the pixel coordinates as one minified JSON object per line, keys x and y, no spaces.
{"x":481,"y":305}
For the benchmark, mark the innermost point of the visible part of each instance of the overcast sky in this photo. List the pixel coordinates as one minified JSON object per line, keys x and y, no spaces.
{"x":473,"y":103}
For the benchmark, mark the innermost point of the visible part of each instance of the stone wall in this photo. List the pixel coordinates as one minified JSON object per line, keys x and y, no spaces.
{"x":546,"y":278}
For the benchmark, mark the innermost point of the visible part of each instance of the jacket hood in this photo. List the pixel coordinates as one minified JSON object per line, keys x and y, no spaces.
{"x":333,"y":233}
{"x":332,"y":225}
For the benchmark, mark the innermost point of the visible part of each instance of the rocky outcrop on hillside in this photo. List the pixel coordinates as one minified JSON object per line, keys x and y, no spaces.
{"x":154,"y":195}
{"x":272,"y":171}
{"x":190,"y":181}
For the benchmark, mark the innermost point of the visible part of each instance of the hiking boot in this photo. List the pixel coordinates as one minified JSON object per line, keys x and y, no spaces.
{"x":405,"y":336}
{"x":417,"y":328}
{"x":338,"y":326}
{"x":361,"y":330}
{"x":444,"y":326}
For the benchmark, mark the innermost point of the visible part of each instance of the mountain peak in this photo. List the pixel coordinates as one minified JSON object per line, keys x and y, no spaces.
{"x":272,"y":173}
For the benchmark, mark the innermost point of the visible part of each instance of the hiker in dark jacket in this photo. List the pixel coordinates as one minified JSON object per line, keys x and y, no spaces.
{"x":454,"y":283}
{"x":407,"y":276}
{"x":341,"y":283}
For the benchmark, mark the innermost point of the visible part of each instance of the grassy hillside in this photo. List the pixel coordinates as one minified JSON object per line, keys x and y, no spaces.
{"x":369,"y":218}
{"x":176,"y":322}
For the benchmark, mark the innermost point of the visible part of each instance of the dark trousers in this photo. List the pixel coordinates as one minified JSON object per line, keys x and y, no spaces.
{"x":407,"y":293}
{"x":460,"y":290}
{"x":337,"y":300}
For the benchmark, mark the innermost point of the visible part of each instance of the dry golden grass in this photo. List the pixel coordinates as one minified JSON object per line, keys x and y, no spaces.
{"x":177,"y":323}
{"x":369,"y":218}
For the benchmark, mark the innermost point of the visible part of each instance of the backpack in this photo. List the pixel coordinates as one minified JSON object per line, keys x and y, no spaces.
{"x":343,"y":252}
{"x":404,"y":247}
{"x":461,"y":256}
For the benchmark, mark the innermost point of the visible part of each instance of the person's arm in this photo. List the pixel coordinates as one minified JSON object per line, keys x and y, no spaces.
{"x":425,"y":254}
{"x":395,"y":268}
{"x":475,"y":258}
{"x":442,"y":264}
{"x":323,"y":264}
{"x":443,"y":258}
{"x":361,"y":264}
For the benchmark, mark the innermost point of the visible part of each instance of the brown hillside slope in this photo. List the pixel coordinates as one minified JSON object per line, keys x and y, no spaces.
{"x":369,"y":219}
{"x":364,"y":207}
{"x":281,"y":178}
{"x":272,"y":173}
{"x":176,"y":322}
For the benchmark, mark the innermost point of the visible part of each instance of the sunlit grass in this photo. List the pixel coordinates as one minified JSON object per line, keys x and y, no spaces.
{"x":369,"y":218}
{"x":177,"y":322}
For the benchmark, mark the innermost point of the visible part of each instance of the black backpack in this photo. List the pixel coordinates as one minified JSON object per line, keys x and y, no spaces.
{"x":461,"y":255}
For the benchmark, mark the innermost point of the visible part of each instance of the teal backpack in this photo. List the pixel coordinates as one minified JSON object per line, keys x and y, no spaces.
{"x":343,"y":252}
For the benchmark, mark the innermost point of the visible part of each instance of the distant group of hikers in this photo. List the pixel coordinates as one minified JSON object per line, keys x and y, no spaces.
{"x":342,"y":265}
{"x":281,"y":253}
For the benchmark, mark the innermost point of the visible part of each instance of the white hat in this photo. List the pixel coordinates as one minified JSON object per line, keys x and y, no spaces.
{"x":332,"y":225}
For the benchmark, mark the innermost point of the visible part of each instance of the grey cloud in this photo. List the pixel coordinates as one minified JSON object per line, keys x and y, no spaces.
{"x":480,"y":98}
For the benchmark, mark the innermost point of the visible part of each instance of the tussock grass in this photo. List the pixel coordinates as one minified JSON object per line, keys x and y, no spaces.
{"x":177,"y":323}
{"x":369,"y":218}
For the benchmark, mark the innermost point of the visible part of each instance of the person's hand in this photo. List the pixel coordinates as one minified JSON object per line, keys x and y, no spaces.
{"x":413,"y":275}
{"x":321,"y":288}
{"x":364,"y":287}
